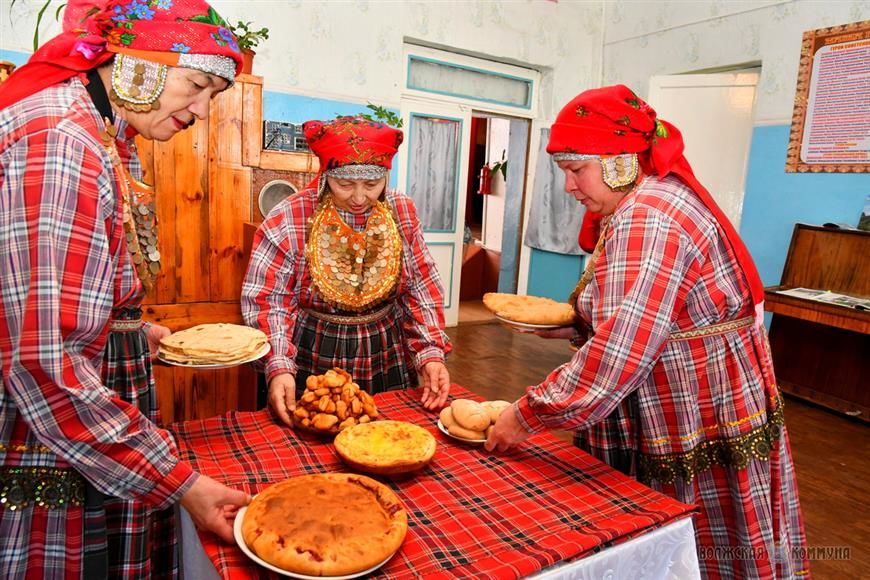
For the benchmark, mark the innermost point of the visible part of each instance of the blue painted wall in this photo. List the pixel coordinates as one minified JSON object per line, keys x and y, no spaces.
{"x":553,"y":275}
{"x":776,"y":200}
{"x":17,"y":58}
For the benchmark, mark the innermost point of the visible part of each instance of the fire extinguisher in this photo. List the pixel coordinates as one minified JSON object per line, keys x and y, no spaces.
{"x":484,"y":188}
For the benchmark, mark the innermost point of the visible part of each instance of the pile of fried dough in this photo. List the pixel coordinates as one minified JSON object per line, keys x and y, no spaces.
{"x":219,"y":343}
{"x":529,"y":309}
{"x":332,"y":402}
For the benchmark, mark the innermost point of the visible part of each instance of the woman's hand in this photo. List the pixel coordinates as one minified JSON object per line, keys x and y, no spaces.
{"x":563,"y":332}
{"x":507,"y":432}
{"x":436,"y":384}
{"x":155,"y":332}
{"x":282,"y":396}
{"x":213,"y":506}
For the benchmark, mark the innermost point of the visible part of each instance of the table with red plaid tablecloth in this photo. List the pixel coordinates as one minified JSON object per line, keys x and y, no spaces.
{"x":470,"y":513}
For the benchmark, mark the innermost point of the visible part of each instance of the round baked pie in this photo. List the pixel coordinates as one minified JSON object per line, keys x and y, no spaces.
{"x":385,"y":447}
{"x":330,"y":524}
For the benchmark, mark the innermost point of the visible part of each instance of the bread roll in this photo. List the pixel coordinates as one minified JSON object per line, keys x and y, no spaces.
{"x":458,"y":430}
{"x":470,"y":415}
{"x":446,"y":417}
{"x":495,"y":408}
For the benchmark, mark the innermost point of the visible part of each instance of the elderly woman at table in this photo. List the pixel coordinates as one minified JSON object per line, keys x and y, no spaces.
{"x":83,"y":467}
{"x":340,"y":275}
{"x":675,"y":386}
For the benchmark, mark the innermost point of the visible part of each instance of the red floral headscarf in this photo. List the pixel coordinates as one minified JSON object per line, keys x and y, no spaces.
{"x":352,"y":141}
{"x":612,"y":121}
{"x":93,"y":30}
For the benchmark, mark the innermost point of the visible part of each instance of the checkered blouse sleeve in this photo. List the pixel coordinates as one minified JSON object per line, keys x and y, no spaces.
{"x":421,"y":296}
{"x":60,"y":242}
{"x":641,"y":279}
{"x":266,"y":301}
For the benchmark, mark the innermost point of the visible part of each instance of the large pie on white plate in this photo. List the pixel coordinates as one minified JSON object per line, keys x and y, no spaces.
{"x":529,"y":309}
{"x":329,"y":524}
{"x":386,"y":447}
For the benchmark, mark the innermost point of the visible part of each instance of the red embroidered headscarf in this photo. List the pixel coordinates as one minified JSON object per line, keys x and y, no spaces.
{"x":94,"y":30}
{"x":612,"y":121}
{"x":352,"y":141}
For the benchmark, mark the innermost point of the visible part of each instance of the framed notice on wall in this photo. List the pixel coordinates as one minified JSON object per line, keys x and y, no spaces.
{"x":830,"y":128}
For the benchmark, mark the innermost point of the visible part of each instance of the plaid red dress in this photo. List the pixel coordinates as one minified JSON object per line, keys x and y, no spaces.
{"x":696,"y":415}
{"x":66,"y":439}
{"x":278,"y":297}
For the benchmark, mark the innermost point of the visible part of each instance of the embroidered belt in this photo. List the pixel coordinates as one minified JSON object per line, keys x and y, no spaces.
{"x":352,"y":320}
{"x":714,"y":329}
{"x":120,"y":325}
{"x":47,"y":487}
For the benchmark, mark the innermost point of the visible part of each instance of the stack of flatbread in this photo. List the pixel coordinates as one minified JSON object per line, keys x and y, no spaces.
{"x":529,"y":309}
{"x":212,"y":344}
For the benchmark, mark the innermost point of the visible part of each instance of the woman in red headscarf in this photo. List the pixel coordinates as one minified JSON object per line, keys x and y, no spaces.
{"x":340,"y":275}
{"x":83,"y":467}
{"x":675,"y":386}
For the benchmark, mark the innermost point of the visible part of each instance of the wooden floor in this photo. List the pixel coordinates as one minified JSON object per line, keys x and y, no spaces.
{"x":830,"y":451}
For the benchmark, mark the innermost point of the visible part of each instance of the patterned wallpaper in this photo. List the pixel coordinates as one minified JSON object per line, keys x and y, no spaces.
{"x":643,"y":39}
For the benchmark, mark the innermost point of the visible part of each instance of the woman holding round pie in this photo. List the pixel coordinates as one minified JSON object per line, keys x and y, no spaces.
{"x":675,"y":385}
{"x":85,"y":473}
{"x":340,"y":276}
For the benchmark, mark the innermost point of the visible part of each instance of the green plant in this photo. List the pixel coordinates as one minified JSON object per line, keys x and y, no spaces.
{"x":500,"y":166}
{"x":383,"y":115}
{"x":39,"y":16}
{"x":246,"y":37}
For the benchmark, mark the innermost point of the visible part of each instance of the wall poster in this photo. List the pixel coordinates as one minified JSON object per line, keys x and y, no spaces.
{"x":830,"y":127}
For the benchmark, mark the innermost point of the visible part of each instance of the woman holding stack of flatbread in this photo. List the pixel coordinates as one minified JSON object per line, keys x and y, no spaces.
{"x":340,"y":275}
{"x":675,"y":386}
{"x":84,"y":470}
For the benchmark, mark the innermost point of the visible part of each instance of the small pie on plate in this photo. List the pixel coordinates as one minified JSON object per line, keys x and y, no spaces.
{"x":529,"y":309}
{"x":385,"y":447}
{"x":329,"y":524}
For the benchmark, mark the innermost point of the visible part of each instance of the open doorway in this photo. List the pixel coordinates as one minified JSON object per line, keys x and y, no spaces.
{"x":497,"y":157}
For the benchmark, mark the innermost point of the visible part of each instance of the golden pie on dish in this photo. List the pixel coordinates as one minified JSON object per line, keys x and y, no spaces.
{"x":330,"y":524}
{"x":529,"y":309}
{"x":386,"y":447}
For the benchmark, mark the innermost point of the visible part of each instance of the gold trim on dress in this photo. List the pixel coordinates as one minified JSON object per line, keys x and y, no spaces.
{"x":46,"y":487}
{"x":354,"y":270}
{"x":714,"y":329}
{"x":732,"y":452}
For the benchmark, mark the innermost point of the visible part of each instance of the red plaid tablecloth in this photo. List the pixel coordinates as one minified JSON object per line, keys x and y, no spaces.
{"x":470,"y":514}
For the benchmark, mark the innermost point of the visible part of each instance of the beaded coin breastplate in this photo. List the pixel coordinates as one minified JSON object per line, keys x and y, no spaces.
{"x":354,"y":270}
{"x":140,"y":216}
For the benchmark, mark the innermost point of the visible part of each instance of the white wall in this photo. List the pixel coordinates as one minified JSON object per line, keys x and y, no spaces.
{"x":352,"y":50}
{"x":643,"y":39}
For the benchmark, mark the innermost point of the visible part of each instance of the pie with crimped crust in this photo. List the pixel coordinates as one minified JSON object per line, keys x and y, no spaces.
{"x":386,"y":447}
{"x":329,"y":524}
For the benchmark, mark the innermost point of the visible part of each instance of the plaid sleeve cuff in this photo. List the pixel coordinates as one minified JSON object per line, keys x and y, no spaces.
{"x":427,"y":355}
{"x":527,"y":417}
{"x":279,"y":364}
{"x":171,"y":487}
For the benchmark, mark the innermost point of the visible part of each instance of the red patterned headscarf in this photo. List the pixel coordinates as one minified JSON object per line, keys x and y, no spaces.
{"x":612,"y":121}
{"x":94,"y":30}
{"x":352,"y":141}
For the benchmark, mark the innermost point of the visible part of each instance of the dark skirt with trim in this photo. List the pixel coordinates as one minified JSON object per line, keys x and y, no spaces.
{"x":127,"y":539}
{"x":373,"y":352}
